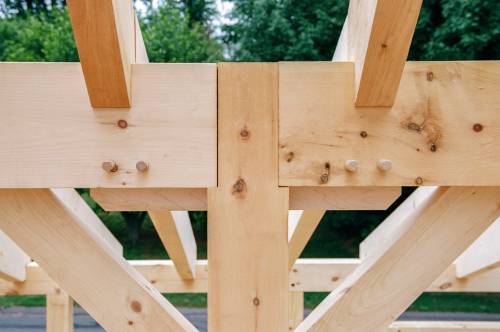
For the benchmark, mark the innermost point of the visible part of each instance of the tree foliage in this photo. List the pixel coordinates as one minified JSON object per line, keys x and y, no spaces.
{"x":272,"y":30}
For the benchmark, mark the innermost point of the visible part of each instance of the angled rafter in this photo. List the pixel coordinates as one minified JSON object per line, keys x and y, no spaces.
{"x":195,"y":199}
{"x":13,"y":260}
{"x":176,"y":234}
{"x":371,"y":296}
{"x":301,"y":226}
{"x":71,"y":252}
{"x":105,"y":34}
{"x":482,"y":254}
{"x":341,"y":52}
{"x":379,"y":34}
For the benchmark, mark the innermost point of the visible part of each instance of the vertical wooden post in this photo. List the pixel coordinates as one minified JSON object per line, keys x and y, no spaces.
{"x":59,"y":311}
{"x":295,"y":310}
{"x":247,"y":212}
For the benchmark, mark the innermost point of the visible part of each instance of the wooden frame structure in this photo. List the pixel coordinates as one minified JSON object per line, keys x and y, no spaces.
{"x":266,"y":148}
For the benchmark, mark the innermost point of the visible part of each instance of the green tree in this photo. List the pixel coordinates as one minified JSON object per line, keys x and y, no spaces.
{"x":272,"y":30}
{"x":170,"y":36}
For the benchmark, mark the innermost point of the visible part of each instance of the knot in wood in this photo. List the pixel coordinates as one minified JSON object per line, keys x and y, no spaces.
{"x":122,"y":124}
{"x":239,"y":186}
{"x":256,"y":301}
{"x":477,"y":127}
{"x":244,"y":134}
{"x":136,"y":306}
{"x":419,"y":180}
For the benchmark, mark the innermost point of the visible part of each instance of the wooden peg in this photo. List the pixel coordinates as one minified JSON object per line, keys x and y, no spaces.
{"x":384,"y":165}
{"x":142,"y":166}
{"x":109,"y":166}
{"x":351,"y":165}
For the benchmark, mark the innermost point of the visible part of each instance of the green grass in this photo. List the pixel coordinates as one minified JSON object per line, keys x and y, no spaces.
{"x":337,"y":236}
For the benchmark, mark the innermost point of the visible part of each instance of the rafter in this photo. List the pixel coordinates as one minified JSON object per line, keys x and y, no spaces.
{"x":176,"y":234}
{"x":47,"y":227}
{"x":378,"y":38}
{"x":106,"y":34}
{"x":301,"y":226}
{"x":13,"y":260}
{"x":374,"y":294}
{"x":483,"y":253}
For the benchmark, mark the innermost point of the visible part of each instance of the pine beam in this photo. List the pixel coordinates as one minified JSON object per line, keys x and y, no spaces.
{"x":13,"y":260}
{"x":483,"y":253}
{"x":430,"y":138}
{"x":59,"y":312}
{"x":105,"y":34}
{"x":71,"y":252}
{"x":301,"y":226}
{"x":195,"y":199}
{"x":247,"y":212}
{"x":176,"y":234}
{"x":379,"y":34}
{"x":387,"y":282}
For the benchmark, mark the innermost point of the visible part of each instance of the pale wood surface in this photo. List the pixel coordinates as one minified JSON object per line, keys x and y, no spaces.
{"x":431,"y":138}
{"x":341,"y":51}
{"x":117,"y":297}
{"x":59,"y":307}
{"x":13,"y":260}
{"x":301,"y":226}
{"x":176,"y":234}
{"x":247,"y":212}
{"x":398,"y":221}
{"x":307,"y":275}
{"x":195,"y":199}
{"x":437,"y":326}
{"x":105,"y":35}
{"x":295,"y":309}
{"x":385,"y":283}
{"x":379,"y":35}
{"x":483,"y":253}
{"x":51,"y":138}
{"x":74,"y":202}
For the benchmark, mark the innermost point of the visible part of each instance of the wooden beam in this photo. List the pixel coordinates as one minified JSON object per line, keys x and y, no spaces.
{"x":446,"y":326}
{"x":397,"y":222}
{"x":307,"y":275}
{"x":430,"y":138}
{"x":105,"y":35}
{"x":247,"y":212}
{"x":482,"y":254}
{"x":301,"y":226}
{"x":71,"y":252}
{"x":73,"y":201}
{"x":13,"y":260}
{"x":341,"y":51}
{"x":385,"y":283}
{"x":195,"y":199}
{"x":176,"y":234}
{"x":379,"y":34}
{"x":50,"y":139}
{"x":59,"y":312}
{"x":295,"y":309}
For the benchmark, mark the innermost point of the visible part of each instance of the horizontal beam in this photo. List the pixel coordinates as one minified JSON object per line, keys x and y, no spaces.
{"x":52,"y":139}
{"x":307,"y":275}
{"x":446,"y":326}
{"x":195,"y":199}
{"x":442,"y":130}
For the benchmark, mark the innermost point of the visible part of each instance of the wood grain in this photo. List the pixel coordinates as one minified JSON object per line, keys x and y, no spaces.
{"x":385,"y":284}
{"x":51,"y":137}
{"x":444,"y":128}
{"x":72,"y":252}
{"x":247,"y":212}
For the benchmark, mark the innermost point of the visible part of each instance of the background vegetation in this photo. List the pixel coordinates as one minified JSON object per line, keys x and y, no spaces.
{"x":256,"y":30}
